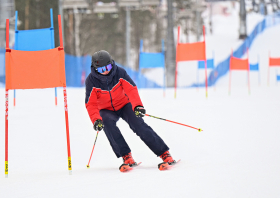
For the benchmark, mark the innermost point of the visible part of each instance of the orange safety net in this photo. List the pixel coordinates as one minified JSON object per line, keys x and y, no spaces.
{"x":35,"y":69}
{"x":239,"y":64}
{"x":274,"y":61}
{"x":190,"y":51}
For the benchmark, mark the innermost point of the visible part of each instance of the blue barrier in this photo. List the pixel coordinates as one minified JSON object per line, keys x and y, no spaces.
{"x":76,"y":70}
{"x":140,"y":80}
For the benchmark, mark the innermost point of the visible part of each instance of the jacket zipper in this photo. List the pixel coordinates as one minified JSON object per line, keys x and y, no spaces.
{"x":110,"y":94}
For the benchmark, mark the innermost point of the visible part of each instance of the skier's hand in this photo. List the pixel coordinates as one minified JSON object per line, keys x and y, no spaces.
{"x":98,"y":125}
{"x":139,"y":111}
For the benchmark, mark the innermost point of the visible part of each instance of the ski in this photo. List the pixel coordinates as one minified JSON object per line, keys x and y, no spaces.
{"x":166,"y":166}
{"x":125,"y":167}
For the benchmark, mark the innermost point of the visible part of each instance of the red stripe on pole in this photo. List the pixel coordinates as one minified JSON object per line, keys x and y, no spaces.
{"x":6,"y":95}
{"x":66,"y":121}
{"x":6,"y":123}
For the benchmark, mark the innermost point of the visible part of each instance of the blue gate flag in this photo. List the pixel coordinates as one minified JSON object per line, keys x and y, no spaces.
{"x":151,"y":60}
{"x":210,"y":64}
{"x":254,"y":67}
{"x":36,"y":39}
{"x":278,"y":78}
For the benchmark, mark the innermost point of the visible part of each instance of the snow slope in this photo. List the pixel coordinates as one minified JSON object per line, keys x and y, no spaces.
{"x":235,"y":156}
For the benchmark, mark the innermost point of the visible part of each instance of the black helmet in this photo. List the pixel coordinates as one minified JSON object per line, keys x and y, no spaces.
{"x":100,"y":59}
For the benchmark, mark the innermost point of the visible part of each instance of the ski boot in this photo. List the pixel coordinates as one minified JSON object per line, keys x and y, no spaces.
{"x":128,"y":163}
{"x":167,"y":161}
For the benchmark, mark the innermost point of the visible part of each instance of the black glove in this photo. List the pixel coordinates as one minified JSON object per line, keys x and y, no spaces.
{"x":139,"y":111}
{"x":98,"y":125}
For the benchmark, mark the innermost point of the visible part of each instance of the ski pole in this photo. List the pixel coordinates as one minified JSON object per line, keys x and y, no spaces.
{"x":199,"y":129}
{"x":92,"y":149}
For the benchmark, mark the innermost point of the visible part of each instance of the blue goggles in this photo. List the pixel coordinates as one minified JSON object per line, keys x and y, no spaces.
{"x":104,"y":68}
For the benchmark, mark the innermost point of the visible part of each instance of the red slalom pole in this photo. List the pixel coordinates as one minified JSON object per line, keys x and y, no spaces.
{"x":199,"y":129}
{"x":92,"y":149}
{"x":7,"y":55}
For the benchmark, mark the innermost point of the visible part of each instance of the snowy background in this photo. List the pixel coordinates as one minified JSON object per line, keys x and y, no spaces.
{"x":236,"y":155}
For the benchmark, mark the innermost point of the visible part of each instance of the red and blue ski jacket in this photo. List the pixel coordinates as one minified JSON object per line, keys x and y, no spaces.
{"x":111,"y":91}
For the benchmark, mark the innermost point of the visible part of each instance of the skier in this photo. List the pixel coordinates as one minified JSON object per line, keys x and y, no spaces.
{"x":111,"y":94}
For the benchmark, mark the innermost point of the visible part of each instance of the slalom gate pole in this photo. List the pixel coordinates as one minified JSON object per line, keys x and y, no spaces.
{"x":65,"y":103}
{"x":55,"y":97}
{"x":92,"y":149}
{"x":14,"y":97}
{"x":199,"y":129}
{"x":8,"y":50}
{"x":205,"y":64}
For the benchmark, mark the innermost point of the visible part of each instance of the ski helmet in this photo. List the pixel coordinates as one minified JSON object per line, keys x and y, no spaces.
{"x":100,"y":59}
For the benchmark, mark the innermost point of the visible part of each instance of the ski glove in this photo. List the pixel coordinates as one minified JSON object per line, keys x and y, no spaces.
{"x":98,"y":125}
{"x":139,"y":111}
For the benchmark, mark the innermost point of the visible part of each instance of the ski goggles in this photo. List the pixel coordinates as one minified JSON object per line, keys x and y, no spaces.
{"x":104,"y":68}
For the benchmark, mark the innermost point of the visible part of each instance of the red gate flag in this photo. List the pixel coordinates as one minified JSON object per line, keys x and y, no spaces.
{"x":35,"y":69}
{"x":274,"y":61}
{"x":239,"y":64}
{"x":191,"y":51}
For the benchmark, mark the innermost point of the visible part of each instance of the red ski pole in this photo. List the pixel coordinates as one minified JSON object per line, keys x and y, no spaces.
{"x":92,"y":149}
{"x":199,"y":130}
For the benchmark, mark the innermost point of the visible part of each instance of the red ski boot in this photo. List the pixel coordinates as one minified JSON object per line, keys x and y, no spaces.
{"x":128,"y":163}
{"x":167,"y":161}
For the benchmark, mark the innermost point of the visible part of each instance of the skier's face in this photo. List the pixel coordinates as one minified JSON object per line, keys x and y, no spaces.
{"x":106,"y":72}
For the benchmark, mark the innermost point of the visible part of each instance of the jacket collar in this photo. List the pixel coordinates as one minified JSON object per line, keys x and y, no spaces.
{"x":105,"y":78}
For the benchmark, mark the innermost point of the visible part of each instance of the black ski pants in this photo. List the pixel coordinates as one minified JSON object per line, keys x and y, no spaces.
{"x":138,"y":126}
